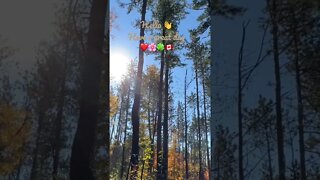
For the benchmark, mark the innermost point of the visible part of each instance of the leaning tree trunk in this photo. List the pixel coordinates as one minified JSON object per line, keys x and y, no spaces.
{"x":136,"y":104}
{"x":83,"y":145}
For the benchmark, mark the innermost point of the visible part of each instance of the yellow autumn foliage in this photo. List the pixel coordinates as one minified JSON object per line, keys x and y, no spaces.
{"x":114,"y":105}
{"x":14,"y":134}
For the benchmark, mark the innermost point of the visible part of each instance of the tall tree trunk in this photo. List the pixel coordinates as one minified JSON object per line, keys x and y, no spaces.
{"x":241,"y":175}
{"x":35,"y":161}
{"x":154,"y":154}
{"x":58,"y":130}
{"x":159,"y":122}
{"x":201,"y":175}
{"x":205,"y":112}
{"x":136,"y":104}
{"x":211,"y":174}
{"x":186,"y":126}
{"x":300,"y":108}
{"x":269,"y":156}
{"x":83,"y":145}
{"x":125,"y":135}
{"x":59,"y":118}
{"x":118,"y":131}
{"x":166,"y":122}
{"x":114,"y":121}
{"x":273,"y":10}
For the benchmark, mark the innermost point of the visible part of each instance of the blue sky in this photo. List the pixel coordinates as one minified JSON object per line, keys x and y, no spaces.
{"x":120,"y":43}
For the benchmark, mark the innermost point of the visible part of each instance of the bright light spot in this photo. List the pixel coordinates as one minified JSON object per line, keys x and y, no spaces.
{"x":118,"y":66}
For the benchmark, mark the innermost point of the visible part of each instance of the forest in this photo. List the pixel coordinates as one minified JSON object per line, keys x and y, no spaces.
{"x":160,"y":89}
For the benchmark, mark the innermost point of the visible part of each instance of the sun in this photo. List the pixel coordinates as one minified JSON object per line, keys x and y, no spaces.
{"x":118,"y":66}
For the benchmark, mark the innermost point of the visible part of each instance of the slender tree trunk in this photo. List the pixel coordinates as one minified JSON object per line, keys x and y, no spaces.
{"x":35,"y":161}
{"x":152,"y":142}
{"x":299,"y":98}
{"x":125,"y":135}
{"x":201,"y":175}
{"x":205,"y":112}
{"x":136,"y":104}
{"x":141,"y":176}
{"x":186,"y":126}
{"x":83,"y":145}
{"x":269,"y":157}
{"x":301,"y":123}
{"x":59,"y":118}
{"x":273,"y":9}
{"x":149,"y":116}
{"x":159,"y":122}
{"x":241,"y":175}
{"x":166,"y":122}
{"x":118,"y":131}
{"x":114,"y":121}
{"x":58,"y":130}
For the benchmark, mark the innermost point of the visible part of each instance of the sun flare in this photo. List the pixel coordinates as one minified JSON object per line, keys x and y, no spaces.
{"x":118,"y":66}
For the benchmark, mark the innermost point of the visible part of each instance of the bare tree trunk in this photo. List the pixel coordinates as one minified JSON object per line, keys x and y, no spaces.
{"x":58,"y":130}
{"x":241,"y":175}
{"x":186,"y":126}
{"x":59,"y":118}
{"x":205,"y":116}
{"x":201,"y":175}
{"x":136,"y":104}
{"x":299,"y":98}
{"x":269,"y":157}
{"x":159,"y":122}
{"x":35,"y":161}
{"x":118,"y":131}
{"x":166,"y":122}
{"x":83,"y":145}
{"x":273,"y":10}
{"x":125,"y":135}
{"x":211,"y":174}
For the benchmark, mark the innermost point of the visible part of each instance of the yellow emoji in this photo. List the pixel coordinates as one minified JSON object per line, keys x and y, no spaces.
{"x":167,"y":25}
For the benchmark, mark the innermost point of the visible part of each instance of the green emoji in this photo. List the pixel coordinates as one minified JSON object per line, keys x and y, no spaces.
{"x":160,"y":47}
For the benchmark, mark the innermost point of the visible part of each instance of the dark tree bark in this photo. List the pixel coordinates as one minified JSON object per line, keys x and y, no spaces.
{"x":35,"y":160}
{"x":125,"y":135}
{"x":269,"y":155}
{"x":241,"y":175}
{"x":83,"y":145}
{"x":159,"y":122}
{"x":211,"y":173}
{"x":58,"y":130}
{"x":300,"y":115}
{"x":136,"y":103}
{"x":201,"y":174}
{"x":166,"y":122}
{"x":205,"y":111}
{"x":186,"y":126}
{"x":274,"y":14}
{"x":118,"y":131}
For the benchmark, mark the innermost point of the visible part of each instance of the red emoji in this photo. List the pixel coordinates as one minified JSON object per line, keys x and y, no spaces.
{"x":144,"y":47}
{"x":169,"y":47}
